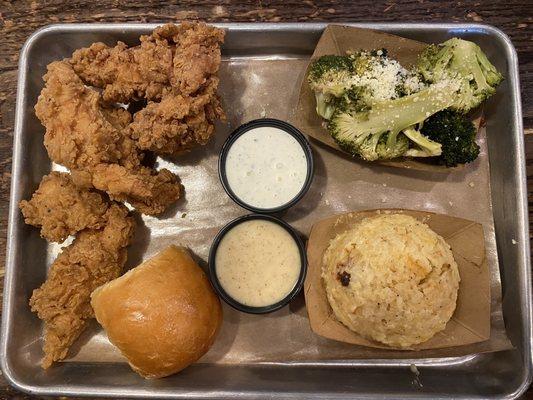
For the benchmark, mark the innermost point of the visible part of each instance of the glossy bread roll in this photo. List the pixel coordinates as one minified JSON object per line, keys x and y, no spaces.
{"x":162,"y":315}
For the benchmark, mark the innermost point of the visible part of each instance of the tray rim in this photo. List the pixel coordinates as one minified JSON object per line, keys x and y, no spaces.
{"x":523,"y":249}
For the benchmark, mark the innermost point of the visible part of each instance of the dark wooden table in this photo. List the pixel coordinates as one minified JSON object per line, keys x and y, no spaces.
{"x":18,"y":19}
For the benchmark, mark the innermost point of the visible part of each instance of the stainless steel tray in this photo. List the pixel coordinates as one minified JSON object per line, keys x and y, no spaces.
{"x":494,"y":375}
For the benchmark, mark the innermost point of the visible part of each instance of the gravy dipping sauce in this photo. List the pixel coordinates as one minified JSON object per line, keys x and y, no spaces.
{"x":266,"y":167}
{"x":257,"y":263}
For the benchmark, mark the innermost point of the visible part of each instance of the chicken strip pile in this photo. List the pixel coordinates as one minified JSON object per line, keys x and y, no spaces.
{"x":175,"y":69}
{"x":172,"y":56}
{"x":83,"y":134}
{"x":61,"y":209}
{"x":63,"y":301}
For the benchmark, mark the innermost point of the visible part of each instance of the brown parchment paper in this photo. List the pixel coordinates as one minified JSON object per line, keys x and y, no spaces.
{"x":338,"y":39}
{"x":470,"y":322}
{"x":268,"y":87}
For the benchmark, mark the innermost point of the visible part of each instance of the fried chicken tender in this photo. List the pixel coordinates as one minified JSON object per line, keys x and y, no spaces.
{"x":174,"y":68}
{"x":178,"y":123}
{"x":83,"y":134}
{"x":63,"y":301}
{"x":181,"y":56}
{"x":61,"y":209}
{"x":197,"y":54}
{"x":80,"y":131}
{"x":148,"y":191}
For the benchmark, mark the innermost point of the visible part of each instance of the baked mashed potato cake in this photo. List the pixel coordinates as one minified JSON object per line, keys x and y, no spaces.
{"x":391,"y":279}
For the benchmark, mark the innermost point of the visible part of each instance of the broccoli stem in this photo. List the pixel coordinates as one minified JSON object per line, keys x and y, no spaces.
{"x":406,"y":111}
{"x":375,"y":133}
{"x":323,"y":106}
{"x":410,"y":110}
{"x":428,"y":148}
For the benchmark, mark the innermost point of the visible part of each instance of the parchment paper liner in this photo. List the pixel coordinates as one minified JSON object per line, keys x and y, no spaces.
{"x":341,"y":184}
{"x":470,"y":322}
{"x":338,"y":39}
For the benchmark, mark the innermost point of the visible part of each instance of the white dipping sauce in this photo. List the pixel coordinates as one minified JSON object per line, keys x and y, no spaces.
{"x":266,"y":167}
{"x":257,"y":263}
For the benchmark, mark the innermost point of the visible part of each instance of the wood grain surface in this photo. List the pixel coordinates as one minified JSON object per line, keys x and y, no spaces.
{"x":18,"y":19}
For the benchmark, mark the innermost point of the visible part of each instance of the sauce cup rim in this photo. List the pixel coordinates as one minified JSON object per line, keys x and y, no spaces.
{"x":218,"y":286}
{"x":257,"y":123}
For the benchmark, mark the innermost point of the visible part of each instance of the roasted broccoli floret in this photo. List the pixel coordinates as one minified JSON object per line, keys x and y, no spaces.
{"x":465,"y":65}
{"x":383,"y":78}
{"x":379,"y":147}
{"x":323,"y":67}
{"x":328,"y":78}
{"x":354,"y":98}
{"x":456,"y":133}
{"x":377,"y":133}
{"x":359,"y":79}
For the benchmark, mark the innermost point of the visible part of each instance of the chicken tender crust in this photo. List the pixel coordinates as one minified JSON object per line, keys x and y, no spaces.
{"x":180,"y":56}
{"x":178,"y":123}
{"x":148,"y":191}
{"x":197,"y":55}
{"x":63,"y":301}
{"x":61,"y":209}
{"x":175,"y":69}
{"x":80,"y":131}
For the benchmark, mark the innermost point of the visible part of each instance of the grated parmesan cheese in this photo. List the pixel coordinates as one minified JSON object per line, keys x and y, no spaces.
{"x":382,"y":77}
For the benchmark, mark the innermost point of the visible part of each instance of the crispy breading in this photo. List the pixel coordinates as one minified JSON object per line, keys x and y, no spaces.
{"x":61,"y":209}
{"x":197,"y":55}
{"x":125,"y":73}
{"x":63,"y":301}
{"x":181,"y":56}
{"x":178,"y":122}
{"x":148,"y":191}
{"x":85,"y":135}
{"x":175,"y":69}
{"x":80,"y":132}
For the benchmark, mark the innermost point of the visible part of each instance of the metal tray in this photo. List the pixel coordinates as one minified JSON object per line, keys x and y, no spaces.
{"x":494,"y":375}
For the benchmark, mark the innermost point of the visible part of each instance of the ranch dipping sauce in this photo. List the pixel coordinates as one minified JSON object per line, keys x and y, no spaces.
{"x":258,"y":263}
{"x":266,"y":167}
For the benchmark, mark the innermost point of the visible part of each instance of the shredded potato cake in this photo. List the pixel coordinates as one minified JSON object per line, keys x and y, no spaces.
{"x":391,"y":279}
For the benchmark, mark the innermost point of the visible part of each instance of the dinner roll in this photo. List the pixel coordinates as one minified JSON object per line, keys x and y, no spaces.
{"x":162,"y":315}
